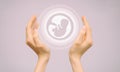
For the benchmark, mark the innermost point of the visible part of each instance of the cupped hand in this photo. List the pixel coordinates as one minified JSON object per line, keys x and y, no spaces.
{"x":83,"y":41}
{"x":33,"y":41}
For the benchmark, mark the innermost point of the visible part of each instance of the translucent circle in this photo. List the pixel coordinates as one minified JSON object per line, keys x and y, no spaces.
{"x":59,"y":26}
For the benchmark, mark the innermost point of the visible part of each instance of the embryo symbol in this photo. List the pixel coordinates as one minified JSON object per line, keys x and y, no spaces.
{"x":59,"y":26}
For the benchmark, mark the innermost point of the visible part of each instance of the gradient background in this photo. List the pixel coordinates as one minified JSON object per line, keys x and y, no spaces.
{"x":103,"y":16}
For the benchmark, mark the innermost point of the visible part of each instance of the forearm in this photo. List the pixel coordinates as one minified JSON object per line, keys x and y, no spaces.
{"x":41,"y":65}
{"x":76,"y":65}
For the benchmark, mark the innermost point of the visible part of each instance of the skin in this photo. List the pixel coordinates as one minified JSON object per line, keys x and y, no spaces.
{"x":80,"y":46}
{"x":82,"y":43}
{"x":33,"y":41}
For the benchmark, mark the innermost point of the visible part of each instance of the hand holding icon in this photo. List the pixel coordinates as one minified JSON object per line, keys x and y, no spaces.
{"x":80,"y":46}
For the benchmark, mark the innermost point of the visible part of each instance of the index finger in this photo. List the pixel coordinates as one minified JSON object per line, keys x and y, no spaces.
{"x":31,"y":22}
{"x":29,"y":28}
{"x":88,"y":29}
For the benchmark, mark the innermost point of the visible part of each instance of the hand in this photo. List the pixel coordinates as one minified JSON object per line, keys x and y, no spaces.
{"x":33,"y":41}
{"x":83,"y":41}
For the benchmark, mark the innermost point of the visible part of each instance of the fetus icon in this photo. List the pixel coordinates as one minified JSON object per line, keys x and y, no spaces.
{"x":59,"y":26}
{"x":61,"y":30}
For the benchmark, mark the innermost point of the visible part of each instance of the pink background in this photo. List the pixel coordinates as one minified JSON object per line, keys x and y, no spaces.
{"x":103,"y":16}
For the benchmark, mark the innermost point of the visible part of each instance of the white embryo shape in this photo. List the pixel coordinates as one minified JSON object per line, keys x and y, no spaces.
{"x":59,"y":26}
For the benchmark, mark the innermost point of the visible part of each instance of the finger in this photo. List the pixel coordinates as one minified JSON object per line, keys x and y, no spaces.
{"x":81,"y":35}
{"x":36,"y":37}
{"x":88,"y":29}
{"x":85,"y":22}
{"x":29,"y":26}
{"x":35,"y":34}
{"x":38,"y":43}
{"x":84,"y":34}
{"x":31,"y":22}
{"x":29,"y":41}
{"x":36,"y":26}
{"x":29,"y":38}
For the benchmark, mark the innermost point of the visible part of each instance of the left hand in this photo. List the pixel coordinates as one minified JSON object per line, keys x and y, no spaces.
{"x":33,"y":41}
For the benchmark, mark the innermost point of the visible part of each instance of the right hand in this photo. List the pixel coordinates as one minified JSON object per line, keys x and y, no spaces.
{"x":83,"y":41}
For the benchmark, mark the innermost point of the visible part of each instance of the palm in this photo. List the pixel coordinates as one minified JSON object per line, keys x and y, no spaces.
{"x":32,"y":38}
{"x":83,"y":41}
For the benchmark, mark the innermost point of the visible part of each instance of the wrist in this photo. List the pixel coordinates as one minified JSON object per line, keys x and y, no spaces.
{"x":43,"y":58}
{"x":41,"y":63}
{"x":74,"y":56}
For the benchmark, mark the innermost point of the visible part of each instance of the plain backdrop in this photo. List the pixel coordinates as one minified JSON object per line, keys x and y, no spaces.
{"x":103,"y":16}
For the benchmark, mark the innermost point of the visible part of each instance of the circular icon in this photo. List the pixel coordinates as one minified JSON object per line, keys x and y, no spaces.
{"x":59,"y":26}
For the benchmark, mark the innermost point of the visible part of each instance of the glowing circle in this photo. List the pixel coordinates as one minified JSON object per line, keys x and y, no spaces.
{"x":59,"y":26}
